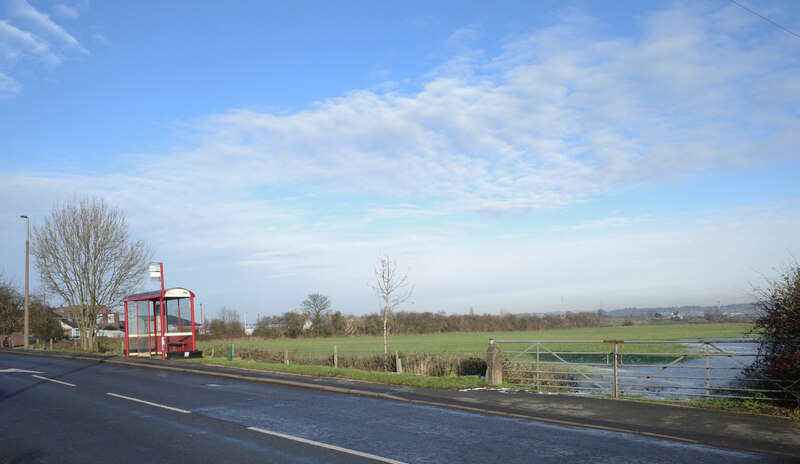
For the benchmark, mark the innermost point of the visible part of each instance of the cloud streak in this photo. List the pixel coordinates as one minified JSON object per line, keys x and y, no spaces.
{"x":29,"y":35}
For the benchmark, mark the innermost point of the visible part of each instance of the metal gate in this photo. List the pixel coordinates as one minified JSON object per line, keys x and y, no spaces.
{"x":674,"y":369}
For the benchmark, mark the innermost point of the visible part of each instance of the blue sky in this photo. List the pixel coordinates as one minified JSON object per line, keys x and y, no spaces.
{"x":509,"y":154}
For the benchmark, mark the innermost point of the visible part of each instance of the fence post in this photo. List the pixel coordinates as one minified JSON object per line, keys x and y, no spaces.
{"x":398,"y":362}
{"x":538,"y":378}
{"x":616,"y":376}
{"x":230,"y":353}
{"x":286,"y":356}
{"x":335,"y":356}
{"x":708,"y":372}
{"x":494,"y":364}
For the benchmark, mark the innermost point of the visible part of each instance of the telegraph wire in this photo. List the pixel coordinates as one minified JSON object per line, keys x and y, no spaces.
{"x":765,"y":18}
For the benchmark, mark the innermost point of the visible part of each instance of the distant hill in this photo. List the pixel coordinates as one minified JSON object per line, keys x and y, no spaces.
{"x":746,"y":309}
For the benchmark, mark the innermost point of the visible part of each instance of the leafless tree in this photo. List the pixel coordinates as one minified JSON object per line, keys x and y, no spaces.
{"x":85,"y":254}
{"x":228,"y":323}
{"x":317,"y":307}
{"x":352,"y":325}
{"x":392,"y":289}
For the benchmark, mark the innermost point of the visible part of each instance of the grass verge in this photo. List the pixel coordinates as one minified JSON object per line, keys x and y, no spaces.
{"x":749,"y":406}
{"x":389,"y":378}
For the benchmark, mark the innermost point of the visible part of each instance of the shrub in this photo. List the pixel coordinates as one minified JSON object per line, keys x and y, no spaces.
{"x":437,"y":365}
{"x":778,"y":325}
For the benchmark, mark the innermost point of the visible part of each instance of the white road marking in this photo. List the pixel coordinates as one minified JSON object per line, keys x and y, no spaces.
{"x":324,"y":445}
{"x":150,"y":404}
{"x":14,"y":370}
{"x":54,"y":380}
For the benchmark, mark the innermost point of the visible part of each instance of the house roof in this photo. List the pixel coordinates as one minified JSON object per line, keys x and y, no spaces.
{"x":68,"y":323}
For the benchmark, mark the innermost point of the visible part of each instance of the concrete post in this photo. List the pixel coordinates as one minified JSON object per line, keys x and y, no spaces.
{"x":494,"y":364}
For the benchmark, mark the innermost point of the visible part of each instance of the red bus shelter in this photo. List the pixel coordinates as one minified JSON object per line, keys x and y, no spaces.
{"x":160,"y":324}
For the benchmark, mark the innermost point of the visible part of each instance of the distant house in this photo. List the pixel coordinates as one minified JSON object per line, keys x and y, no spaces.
{"x":108,"y":319}
{"x":69,"y":327}
{"x":105,"y":318}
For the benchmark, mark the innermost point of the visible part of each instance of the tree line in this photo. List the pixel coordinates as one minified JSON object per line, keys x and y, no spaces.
{"x":293,"y":324}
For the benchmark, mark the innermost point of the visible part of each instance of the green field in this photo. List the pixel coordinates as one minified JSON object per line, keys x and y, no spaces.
{"x":476,"y":343}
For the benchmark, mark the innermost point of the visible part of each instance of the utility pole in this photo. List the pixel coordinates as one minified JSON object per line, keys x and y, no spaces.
{"x":27,"y":250}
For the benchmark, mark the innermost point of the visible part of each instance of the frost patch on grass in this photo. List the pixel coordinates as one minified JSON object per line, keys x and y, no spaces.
{"x":507,"y":390}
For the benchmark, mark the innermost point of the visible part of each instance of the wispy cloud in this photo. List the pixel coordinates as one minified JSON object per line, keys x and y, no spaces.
{"x":67,"y":11}
{"x":563,"y":114}
{"x":8,"y":86}
{"x":18,"y":44}
{"x":41,"y":23}
{"x":28,"y":35}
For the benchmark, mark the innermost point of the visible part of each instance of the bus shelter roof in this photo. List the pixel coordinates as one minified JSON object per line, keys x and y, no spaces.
{"x":168,"y":294}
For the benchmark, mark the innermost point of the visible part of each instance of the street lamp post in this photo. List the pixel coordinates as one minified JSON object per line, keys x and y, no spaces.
{"x":27,"y":248}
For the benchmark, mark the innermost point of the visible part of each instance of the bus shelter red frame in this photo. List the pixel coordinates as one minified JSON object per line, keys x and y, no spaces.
{"x":162,"y":338}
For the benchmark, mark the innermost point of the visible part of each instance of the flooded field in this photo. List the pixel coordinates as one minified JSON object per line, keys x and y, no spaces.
{"x":663,"y":369}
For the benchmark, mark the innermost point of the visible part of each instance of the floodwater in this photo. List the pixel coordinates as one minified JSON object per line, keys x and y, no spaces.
{"x":666,"y":376}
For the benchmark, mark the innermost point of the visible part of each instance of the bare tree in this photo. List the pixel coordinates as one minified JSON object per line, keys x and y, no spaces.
{"x":392,"y":289}
{"x":352,"y":325}
{"x":317,"y":306}
{"x":85,"y":254}
{"x":228,"y":323}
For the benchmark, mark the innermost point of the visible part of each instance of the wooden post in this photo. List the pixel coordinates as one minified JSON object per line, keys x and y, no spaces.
{"x":51,"y":344}
{"x":335,"y":356}
{"x":286,"y":356}
{"x":398,"y":362}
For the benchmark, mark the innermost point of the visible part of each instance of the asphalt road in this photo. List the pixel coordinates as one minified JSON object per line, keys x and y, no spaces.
{"x":61,"y":410}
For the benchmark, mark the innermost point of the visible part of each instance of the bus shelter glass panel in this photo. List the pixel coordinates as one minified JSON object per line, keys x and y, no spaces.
{"x":178,"y":314}
{"x":141,"y":322}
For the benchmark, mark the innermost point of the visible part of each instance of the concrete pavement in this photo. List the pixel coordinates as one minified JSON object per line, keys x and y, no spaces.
{"x":732,"y":430}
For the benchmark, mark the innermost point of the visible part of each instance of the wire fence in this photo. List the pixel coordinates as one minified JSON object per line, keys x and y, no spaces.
{"x":434,"y":363}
